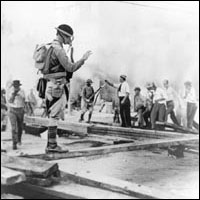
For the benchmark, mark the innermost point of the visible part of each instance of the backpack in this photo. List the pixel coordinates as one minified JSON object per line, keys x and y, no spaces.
{"x":40,"y":55}
{"x":41,"y":87}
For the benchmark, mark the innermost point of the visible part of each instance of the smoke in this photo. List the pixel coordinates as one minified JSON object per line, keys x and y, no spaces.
{"x":146,"y":44}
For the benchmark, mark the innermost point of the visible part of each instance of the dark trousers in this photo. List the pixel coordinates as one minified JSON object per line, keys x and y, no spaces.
{"x":140,"y":115}
{"x":16,"y":116}
{"x":147,"y":115}
{"x":125,"y":112}
{"x":191,"y":111}
{"x":116,"y":116}
{"x":170,"y":111}
{"x":157,"y":113}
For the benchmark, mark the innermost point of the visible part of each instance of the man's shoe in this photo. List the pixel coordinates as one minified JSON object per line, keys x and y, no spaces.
{"x":80,"y":120}
{"x":14,"y":146}
{"x":57,"y":149}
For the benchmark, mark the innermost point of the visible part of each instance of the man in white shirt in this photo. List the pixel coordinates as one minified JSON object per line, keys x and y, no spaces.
{"x":139,"y":106}
{"x":159,"y":105}
{"x":16,"y":102}
{"x":190,"y":98}
{"x":170,"y":95}
{"x":125,"y":105}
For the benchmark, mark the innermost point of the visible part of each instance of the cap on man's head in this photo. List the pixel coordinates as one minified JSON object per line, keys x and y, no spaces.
{"x":89,"y":81}
{"x":123,"y":76}
{"x":137,"y":89}
{"x":188,"y":83}
{"x":16,"y":83}
{"x":149,"y":85}
{"x":65,"y":29}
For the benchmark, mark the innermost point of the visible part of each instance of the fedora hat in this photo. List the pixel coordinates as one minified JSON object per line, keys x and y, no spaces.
{"x":16,"y":83}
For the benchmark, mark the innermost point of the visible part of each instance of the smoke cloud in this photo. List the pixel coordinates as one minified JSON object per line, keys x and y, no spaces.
{"x":146,"y":44}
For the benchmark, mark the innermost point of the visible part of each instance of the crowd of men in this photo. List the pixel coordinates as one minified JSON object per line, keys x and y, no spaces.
{"x":159,"y":104}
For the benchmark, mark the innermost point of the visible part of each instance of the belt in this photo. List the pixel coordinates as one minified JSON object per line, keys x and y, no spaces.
{"x":55,"y":75}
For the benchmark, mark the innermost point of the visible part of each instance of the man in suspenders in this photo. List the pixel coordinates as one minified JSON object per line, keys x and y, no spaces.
{"x":125,"y":105}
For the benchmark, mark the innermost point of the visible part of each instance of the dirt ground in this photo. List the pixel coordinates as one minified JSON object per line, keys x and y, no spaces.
{"x":156,"y":170}
{"x":180,"y":176}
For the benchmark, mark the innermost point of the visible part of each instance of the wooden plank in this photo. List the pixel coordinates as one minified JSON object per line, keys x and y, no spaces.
{"x":109,"y":137}
{"x":193,"y":151}
{"x":10,"y":196}
{"x":117,"y":185}
{"x":120,"y":131}
{"x":115,"y":148}
{"x":176,"y":127}
{"x":11,"y":177}
{"x":43,"y":182}
{"x":70,"y":190}
{"x":65,"y":125}
{"x":30,"y":167}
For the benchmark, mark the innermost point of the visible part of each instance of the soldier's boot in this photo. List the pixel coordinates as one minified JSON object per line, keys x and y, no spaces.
{"x":52,"y":142}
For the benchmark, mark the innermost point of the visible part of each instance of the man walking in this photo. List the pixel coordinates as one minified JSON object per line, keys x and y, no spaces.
{"x":125,"y":105}
{"x":59,"y":67}
{"x":88,"y":100}
{"x":190,"y":98}
{"x":170,"y":95}
{"x":16,"y":100}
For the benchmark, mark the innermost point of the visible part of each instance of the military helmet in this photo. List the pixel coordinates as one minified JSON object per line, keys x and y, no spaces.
{"x":65,"y":29}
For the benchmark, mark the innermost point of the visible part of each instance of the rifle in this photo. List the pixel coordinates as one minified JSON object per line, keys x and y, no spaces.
{"x":98,"y":90}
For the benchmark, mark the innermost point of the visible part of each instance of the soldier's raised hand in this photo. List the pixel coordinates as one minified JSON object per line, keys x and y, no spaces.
{"x":87,"y":55}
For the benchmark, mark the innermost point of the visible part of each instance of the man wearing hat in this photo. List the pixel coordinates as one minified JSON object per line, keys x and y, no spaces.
{"x":125,"y":105}
{"x":57,"y":71}
{"x":88,"y":100}
{"x":191,"y":100}
{"x":16,"y":102}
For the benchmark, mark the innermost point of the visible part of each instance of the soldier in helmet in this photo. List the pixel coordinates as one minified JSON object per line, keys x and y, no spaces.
{"x":88,"y":99}
{"x":59,"y":68}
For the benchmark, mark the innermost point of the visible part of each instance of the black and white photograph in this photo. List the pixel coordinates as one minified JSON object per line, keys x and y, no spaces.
{"x":99,"y":99}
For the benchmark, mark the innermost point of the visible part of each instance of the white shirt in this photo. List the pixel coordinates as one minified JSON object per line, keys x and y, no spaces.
{"x":190,"y":96}
{"x":159,"y":94}
{"x":169,"y":93}
{"x":124,"y":89}
{"x":19,"y":101}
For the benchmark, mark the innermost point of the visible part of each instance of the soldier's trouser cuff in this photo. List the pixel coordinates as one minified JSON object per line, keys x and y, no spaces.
{"x":52,"y":132}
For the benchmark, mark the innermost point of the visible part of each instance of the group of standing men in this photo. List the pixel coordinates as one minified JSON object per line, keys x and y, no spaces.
{"x":160,"y":103}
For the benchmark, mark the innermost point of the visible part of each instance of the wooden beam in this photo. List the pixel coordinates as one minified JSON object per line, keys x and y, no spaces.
{"x":176,"y":127}
{"x":193,"y":151}
{"x":10,"y":196}
{"x":11,"y":177}
{"x":65,"y":125}
{"x":120,"y":131}
{"x":115,"y":148}
{"x":117,"y":185}
{"x":30,"y":167}
{"x":67,"y":189}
